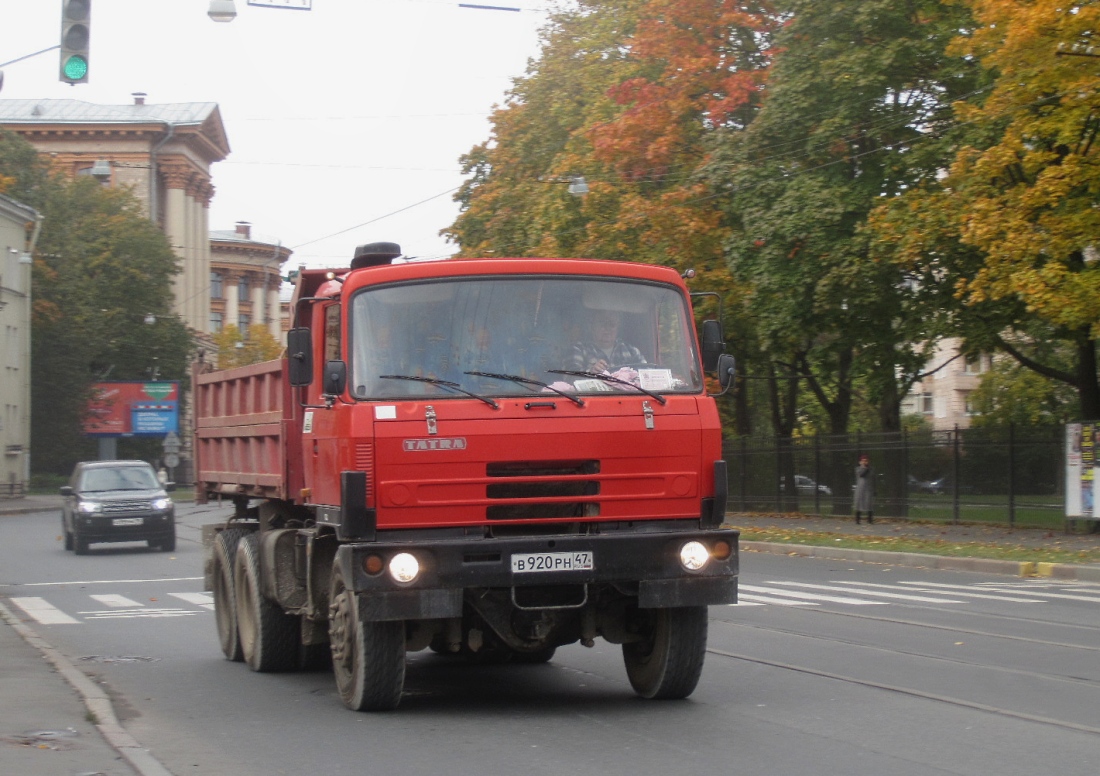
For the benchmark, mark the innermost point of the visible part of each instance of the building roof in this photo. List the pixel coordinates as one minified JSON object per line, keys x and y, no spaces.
{"x":16,"y":209}
{"x":203,"y":118}
{"x":42,"y":111}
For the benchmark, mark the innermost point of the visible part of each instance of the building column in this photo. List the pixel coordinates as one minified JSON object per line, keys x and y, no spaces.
{"x":175,"y":227}
{"x":274,"y":309}
{"x":231,"y":290}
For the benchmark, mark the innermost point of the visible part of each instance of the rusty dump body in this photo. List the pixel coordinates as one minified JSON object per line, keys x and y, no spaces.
{"x":464,"y":414}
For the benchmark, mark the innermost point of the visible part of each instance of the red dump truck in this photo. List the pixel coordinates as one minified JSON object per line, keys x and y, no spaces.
{"x":485,"y":457}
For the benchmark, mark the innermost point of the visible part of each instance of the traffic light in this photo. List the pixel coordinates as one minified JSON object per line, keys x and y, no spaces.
{"x":74,"y":40}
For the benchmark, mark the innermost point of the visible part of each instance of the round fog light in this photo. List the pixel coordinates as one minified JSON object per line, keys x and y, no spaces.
{"x":404,"y":567}
{"x":693,"y":556}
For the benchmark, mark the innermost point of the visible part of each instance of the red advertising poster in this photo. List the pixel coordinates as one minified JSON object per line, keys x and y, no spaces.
{"x":133,"y":409}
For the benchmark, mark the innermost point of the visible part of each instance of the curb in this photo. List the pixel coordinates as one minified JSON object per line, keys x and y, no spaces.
{"x":96,"y":701}
{"x":1067,"y":571}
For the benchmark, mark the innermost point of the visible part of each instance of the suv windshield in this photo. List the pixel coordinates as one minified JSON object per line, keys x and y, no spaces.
{"x":119,"y":478}
{"x":512,"y":336}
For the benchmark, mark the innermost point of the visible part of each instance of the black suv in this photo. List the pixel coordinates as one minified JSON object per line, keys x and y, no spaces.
{"x":117,"y":501}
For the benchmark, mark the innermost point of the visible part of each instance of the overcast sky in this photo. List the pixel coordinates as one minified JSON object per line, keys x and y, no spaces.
{"x":336,"y":117}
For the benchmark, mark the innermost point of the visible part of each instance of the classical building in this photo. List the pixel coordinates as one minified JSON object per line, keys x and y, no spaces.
{"x":943,"y":397}
{"x":18,"y":231}
{"x":162,"y":153}
{"x":245,"y":280}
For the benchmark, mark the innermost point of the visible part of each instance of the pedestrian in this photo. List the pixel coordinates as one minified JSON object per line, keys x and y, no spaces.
{"x":865,"y":490}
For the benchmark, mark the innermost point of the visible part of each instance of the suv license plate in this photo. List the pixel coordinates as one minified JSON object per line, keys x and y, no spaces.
{"x":128,"y":521}
{"x":552,"y":561}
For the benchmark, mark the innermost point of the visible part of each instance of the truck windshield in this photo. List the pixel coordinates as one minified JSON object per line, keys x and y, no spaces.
{"x":518,"y":336}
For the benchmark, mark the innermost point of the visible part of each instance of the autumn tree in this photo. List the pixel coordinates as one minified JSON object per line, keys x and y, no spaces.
{"x":237,"y":348}
{"x":101,"y":270}
{"x":851,"y":97}
{"x":1011,"y":230}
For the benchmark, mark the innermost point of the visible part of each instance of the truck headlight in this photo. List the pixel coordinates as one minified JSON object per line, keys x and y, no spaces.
{"x":89,"y":507}
{"x":404,"y":567}
{"x":693,"y":556}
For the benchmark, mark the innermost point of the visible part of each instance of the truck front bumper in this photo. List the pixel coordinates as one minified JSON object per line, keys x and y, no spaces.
{"x":646,"y":562}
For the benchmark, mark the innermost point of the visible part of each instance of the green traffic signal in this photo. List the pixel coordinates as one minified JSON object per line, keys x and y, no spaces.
{"x":75,"y":37}
{"x":75,"y":68}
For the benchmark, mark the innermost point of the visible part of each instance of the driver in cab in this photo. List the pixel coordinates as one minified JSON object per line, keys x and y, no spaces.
{"x":603,"y":350}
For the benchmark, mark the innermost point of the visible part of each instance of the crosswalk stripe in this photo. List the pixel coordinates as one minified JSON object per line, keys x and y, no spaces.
{"x":116,"y":601}
{"x":834,"y":599}
{"x":959,"y":590}
{"x":873,"y":593}
{"x":760,"y":600}
{"x":44,"y":612}
{"x":205,"y":600}
{"x":1045,"y":594}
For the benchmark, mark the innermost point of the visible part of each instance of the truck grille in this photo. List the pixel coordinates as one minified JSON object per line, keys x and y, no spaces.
{"x":549,"y":489}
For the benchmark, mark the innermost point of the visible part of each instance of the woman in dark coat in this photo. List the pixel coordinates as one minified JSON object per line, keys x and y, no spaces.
{"x":865,"y":490}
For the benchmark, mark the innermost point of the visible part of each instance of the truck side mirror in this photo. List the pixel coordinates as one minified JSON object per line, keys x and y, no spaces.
{"x":726,"y":371}
{"x":66,"y":490}
{"x":299,"y":354}
{"x":713,"y":344}
{"x":336,"y":378}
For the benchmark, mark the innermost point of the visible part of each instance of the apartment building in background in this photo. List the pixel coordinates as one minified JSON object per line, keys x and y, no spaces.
{"x":943,"y":398}
{"x":246,"y":280}
{"x":18,"y":230}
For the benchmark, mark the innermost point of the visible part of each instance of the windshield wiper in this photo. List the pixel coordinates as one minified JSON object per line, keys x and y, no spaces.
{"x":528,"y":381}
{"x":444,"y":383}
{"x":608,"y":379}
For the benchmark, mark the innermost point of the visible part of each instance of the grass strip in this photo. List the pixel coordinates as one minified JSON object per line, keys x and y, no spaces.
{"x":1052,"y":554}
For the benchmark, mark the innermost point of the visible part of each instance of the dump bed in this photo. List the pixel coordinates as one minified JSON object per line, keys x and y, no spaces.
{"x":243,"y":418}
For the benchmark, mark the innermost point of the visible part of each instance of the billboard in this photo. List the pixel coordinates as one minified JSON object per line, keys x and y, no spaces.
{"x":133,"y":409}
{"x":1082,"y":470}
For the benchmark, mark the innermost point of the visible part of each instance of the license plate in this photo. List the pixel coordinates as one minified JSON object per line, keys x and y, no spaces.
{"x":552,"y":561}
{"x":128,"y":521}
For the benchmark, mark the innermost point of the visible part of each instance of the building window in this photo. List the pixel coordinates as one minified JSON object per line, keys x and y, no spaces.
{"x":243,"y":322}
{"x":925,"y":404}
{"x":242,"y":288}
{"x":215,"y":322}
{"x":215,"y":285}
{"x":971,"y":409}
{"x":974,"y":365}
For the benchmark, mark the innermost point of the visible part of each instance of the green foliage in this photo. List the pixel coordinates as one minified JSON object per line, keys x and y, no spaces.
{"x":1012,"y":394}
{"x":100,"y":269}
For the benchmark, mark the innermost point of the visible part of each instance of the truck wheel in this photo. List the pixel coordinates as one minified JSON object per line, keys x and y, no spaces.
{"x":167,"y":544}
{"x":80,"y":544}
{"x":67,"y":534}
{"x":225,"y":604}
{"x":368,"y":658}
{"x":667,"y":662}
{"x":269,"y":637}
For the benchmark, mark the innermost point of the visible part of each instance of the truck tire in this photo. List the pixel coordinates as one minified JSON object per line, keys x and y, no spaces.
{"x":368,"y":658}
{"x":80,"y":544}
{"x":67,"y":534}
{"x":667,"y":663}
{"x":269,"y":637}
{"x":225,"y":604}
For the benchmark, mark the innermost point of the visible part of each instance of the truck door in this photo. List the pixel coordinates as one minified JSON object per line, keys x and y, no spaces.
{"x":321,"y":431}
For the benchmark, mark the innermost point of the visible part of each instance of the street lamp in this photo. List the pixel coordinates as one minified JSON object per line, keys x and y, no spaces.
{"x":222,"y":10}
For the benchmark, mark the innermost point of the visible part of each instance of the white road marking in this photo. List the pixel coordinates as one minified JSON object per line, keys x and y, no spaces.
{"x":833,"y":599}
{"x":116,"y":601}
{"x":875,"y":594}
{"x":749,"y":599}
{"x":958,"y":590}
{"x":44,"y":612}
{"x":205,"y":600}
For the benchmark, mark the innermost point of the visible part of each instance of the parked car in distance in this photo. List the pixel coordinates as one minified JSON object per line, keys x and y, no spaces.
{"x":117,"y":501}
{"x":806,"y":486}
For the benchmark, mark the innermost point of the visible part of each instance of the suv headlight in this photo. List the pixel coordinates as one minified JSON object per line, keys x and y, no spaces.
{"x":161,"y":504}
{"x":89,"y":507}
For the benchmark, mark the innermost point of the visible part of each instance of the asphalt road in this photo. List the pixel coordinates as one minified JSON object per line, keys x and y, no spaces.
{"x":826,"y":667}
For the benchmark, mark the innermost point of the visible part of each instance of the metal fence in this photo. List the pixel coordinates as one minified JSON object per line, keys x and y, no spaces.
{"x":1013,"y":475}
